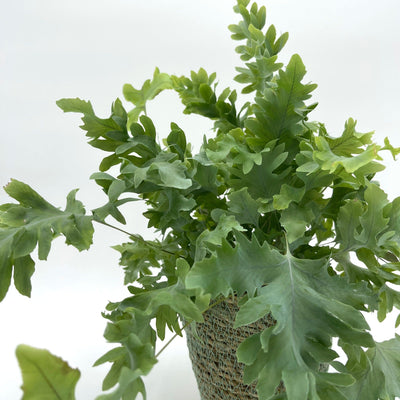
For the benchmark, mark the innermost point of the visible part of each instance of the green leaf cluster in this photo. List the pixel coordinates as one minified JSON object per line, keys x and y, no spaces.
{"x":273,"y":209}
{"x":31,"y":223}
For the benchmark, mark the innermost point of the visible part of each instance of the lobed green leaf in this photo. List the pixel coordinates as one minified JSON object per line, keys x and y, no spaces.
{"x":35,"y":222}
{"x":45,"y":376}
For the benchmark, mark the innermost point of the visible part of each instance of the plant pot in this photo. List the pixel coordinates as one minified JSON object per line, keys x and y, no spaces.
{"x":212,"y":350}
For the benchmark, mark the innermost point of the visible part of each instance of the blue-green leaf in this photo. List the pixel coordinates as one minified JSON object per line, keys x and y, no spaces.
{"x":34,"y":222}
{"x":294,"y":292}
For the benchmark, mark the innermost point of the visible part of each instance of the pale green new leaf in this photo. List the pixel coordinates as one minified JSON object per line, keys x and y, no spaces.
{"x":149,"y":90}
{"x":75,"y":105}
{"x":45,"y":376}
{"x":350,"y":142}
{"x":393,"y":150}
{"x":199,"y":97}
{"x":263,"y":48}
{"x":106,"y":134}
{"x":330,"y":161}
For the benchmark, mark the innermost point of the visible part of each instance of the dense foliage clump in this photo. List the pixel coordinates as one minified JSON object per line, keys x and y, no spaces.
{"x":272,"y":209}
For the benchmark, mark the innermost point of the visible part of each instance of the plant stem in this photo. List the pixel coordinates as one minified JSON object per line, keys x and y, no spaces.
{"x":115,"y":227}
{"x":169,"y":341}
{"x":139,"y":238}
{"x":186,"y":325}
{"x":135,"y":237}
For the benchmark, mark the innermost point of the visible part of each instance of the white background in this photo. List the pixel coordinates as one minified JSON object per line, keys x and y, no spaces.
{"x":51,"y":49}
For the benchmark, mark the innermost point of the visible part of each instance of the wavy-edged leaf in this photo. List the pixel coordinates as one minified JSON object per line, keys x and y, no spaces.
{"x":225,"y":225}
{"x":279,"y":110}
{"x":35,"y":222}
{"x":262,"y":181}
{"x":75,"y":105}
{"x":199,"y":97}
{"x":231,"y":149}
{"x":225,"y":272}
{"x":294,"y":291}
{"x":94,"y":126}
{"x":287,"y":195}
{"x":163,"y":170}
{"x":348,"y":221}
{"x":262,"y":48}
{"x":244,"y":207}
{"x":130,"y":384}
{"x":150,"y":89}
{"x":377,"y":371}
{"x":174,"y":296}
{"x":330,"y":161}
{"x":350,"y":142}
{"x":373,"y":222}
{"x":368,"y":224}
{"x":295,"y":220}
{"x":133,"y":359}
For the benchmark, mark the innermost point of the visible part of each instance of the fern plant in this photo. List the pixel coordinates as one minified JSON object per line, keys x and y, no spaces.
{"x":272,"y":209}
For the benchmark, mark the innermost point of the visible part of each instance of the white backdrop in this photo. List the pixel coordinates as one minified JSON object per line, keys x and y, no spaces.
{"x":51,"y":49}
